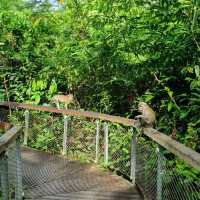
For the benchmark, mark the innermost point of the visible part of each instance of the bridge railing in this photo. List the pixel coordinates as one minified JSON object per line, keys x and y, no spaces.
{"x":10,"y":163}
{"x":77,"y":137}
{"x":161,"y":167}
{"x":162,"y":175}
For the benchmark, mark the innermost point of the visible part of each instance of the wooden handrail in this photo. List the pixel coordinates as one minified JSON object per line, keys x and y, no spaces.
{"x":188,"y":155}
{"x":8,"y":137}
{"x":94,"y":115}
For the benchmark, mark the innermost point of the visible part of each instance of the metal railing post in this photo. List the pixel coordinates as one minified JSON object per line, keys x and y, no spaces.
{"x":97,"y":140}
{"x":106,"y":143}
{"x":133,"y":157}
{"x":159,"y":173}
{"x":26,"y":131}
{"x":18,"y":188}
{"x":66,"y":124}
{"x":4,"y":176}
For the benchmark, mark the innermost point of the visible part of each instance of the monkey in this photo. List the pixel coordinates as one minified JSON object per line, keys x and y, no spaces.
{"x":147,"y":117}
{"x":66,"y":99}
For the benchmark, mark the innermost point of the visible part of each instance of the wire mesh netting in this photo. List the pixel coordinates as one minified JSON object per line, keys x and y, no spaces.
{"x":120,"y":149}
{"x":11,"y":173}
{"x":46,"y":133}
{"x":161,"y":175}
{"x":146,"y":168}
{"x":179,"y":181}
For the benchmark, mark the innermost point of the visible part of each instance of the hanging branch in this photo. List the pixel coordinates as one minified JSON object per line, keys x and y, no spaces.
{"x":171,"y":97}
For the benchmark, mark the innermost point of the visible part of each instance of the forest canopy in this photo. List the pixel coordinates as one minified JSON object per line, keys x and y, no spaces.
{"x":109,"y":54}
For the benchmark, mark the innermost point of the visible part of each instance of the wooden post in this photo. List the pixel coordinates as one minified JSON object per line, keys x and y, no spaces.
{"x":66,"y":124}
{"x":97,"y":140}
{"x":26,"y":131}
{"x":106,"y":143}
{"x":133,"y":157}
{"x":159,"y":174}
{"x":4,"y":176}
{"x":18,"y":187}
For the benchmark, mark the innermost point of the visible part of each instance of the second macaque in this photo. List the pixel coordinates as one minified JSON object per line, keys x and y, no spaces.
{"x":148,"y":116}
{"x":66,"y":99}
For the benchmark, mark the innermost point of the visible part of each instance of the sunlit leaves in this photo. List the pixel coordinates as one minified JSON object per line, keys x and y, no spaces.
{"x":197,"y":71}
{"x":53,"y":87}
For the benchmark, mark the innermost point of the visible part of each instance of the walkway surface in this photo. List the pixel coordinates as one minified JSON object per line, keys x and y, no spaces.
{"x":50,"y":177}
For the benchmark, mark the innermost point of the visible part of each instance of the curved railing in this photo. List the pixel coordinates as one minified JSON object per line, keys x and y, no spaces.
{"x":10,"y":163}
{"x":70,"y":112}
{"x":151,"y":159}
{"x":9,"y":137}
{"x":185,"y":153}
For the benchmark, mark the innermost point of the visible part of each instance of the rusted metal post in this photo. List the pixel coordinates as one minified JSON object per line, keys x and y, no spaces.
{"x":97,"y":140}
{"x":106,"y":143}
{"x":4,"y":176}
{"x":133,"y":156}
{"x":159,"y":173}
{"x":66,"y":124}
{"x":26,"y":131}
{"x":18,"y":188}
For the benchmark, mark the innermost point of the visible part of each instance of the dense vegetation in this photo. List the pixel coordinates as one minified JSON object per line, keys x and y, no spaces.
{"x":110,"y":54}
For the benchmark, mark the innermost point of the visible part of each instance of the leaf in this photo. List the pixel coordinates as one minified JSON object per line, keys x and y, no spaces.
{"x":53,"y":87}
{"x":196,"y":68}
{"x":36,"y":98}
{"x":169,"y":106}
{"x":184,"y":114}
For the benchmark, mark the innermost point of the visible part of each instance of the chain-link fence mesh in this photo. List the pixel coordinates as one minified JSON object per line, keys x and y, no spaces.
{"x":120,"y":149}
{"x":162,"y":176}
{"x":46,"y":133}
{"x":158,"y":173}
{"x":179,"y":180}
{"x":11,"y":173}
{"x":146,"y":168}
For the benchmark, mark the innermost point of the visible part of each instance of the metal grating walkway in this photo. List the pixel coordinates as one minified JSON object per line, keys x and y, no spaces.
{"x":47,"y":176}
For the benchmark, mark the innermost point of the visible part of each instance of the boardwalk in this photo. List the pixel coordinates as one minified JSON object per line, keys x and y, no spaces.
{"x":52,"y":177}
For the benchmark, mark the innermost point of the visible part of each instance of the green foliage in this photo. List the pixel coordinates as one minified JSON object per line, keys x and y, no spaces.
{"x":120,"y":148}
{"x":10,"y":4}
{"x":110,"y":55}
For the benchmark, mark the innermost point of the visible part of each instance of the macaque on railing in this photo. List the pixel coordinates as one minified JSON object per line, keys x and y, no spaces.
{"x":147,"y":117}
